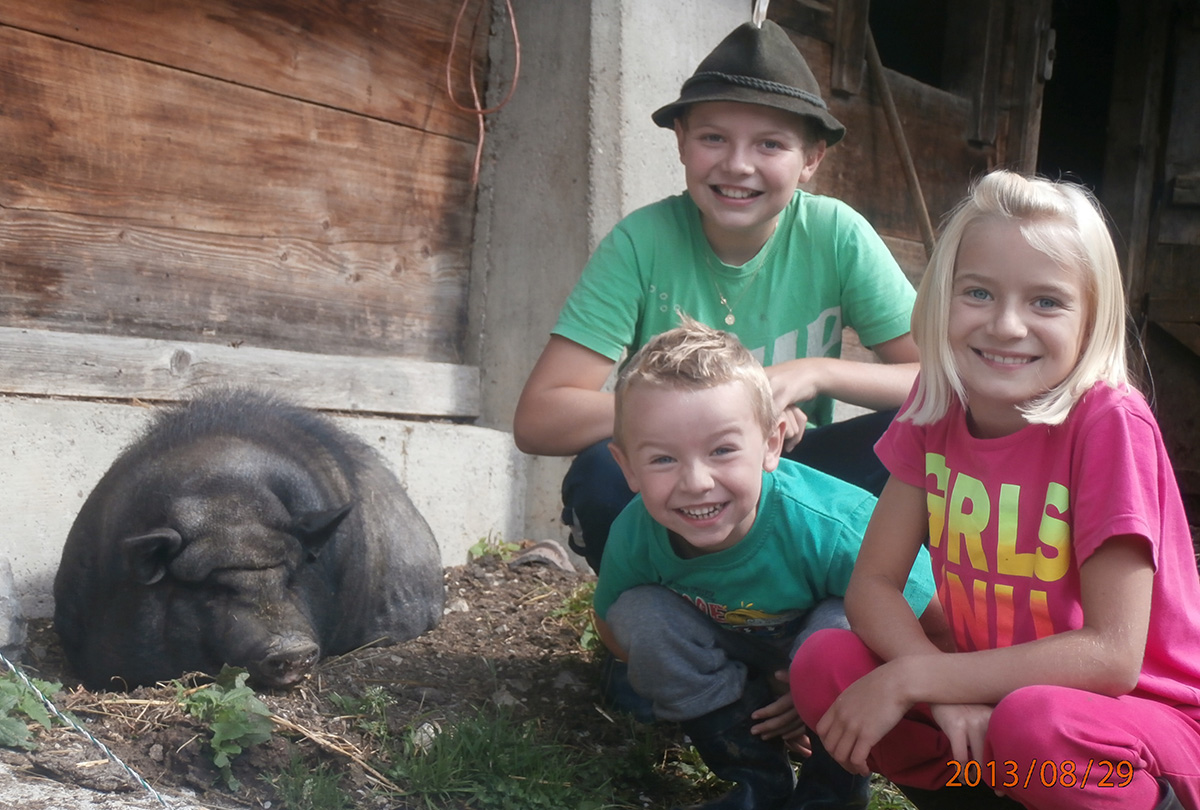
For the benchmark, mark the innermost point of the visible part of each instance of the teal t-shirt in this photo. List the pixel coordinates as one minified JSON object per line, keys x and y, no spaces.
{"x":825,"y":268}
{"x":800,"y":550}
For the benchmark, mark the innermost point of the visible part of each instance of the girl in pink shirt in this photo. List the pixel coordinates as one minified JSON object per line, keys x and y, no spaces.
{"x":1060,"y":547}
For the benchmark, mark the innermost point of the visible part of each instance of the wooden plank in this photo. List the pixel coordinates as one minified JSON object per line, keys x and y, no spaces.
{"x":42,"y":363}
{"x":381,"y":58}
{"x":135,"y":199}
{"x":1186,"y":333}
{"x":1134,"y":149}
{"x":849,"y":47}
{"x":1029,"y":34}
{"x":811,"y":18}
{"x":1177,"y":307}
{"x":865,"y":168}
{"x":910,"y":255}
{"x":93,"y":274}
{"x":105,"y":135}
{"x":974,"y":52}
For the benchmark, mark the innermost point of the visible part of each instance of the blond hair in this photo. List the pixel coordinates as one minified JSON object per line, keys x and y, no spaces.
{"x":693,"y":356}
{"x":1061,"y":220}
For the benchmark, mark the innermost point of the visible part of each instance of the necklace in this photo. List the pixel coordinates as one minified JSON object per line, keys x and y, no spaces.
{"x":764,"y":254}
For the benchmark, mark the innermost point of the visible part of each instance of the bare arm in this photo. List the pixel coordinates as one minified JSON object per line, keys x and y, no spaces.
{"x":562,"y":409}
{"x":877,"y":386}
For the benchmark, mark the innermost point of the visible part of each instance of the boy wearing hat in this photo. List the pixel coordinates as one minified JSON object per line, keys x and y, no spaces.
{"x":744,"y":249}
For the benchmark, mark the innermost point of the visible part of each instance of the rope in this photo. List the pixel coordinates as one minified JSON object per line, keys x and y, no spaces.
{"x":21,"y":676}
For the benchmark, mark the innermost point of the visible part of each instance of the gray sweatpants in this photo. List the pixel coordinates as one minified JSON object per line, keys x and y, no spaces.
{"x":676,"y":656}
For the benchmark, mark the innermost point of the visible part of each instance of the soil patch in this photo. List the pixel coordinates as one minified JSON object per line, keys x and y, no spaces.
{"x":503,"y":641}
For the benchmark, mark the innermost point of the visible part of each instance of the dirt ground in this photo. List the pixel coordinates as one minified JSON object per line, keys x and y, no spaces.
{"x":500,"y":642}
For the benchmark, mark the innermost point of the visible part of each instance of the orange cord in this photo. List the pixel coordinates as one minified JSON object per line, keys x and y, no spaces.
{"x":476,"y":109}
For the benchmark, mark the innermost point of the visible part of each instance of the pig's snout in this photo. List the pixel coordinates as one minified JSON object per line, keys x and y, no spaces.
{"x":287,"y":661}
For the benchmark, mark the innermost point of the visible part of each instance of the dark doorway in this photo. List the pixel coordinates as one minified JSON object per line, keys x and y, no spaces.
{"x":1076,"y":100}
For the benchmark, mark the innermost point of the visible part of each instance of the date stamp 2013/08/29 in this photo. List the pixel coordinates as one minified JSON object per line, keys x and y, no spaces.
{"x":1047,"y":773}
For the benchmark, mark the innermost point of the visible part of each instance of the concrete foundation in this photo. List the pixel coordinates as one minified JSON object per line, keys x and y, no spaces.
{"x":468,"y":482}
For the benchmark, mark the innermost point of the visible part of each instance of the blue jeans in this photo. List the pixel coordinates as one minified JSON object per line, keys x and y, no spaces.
{"x":594,"y":490}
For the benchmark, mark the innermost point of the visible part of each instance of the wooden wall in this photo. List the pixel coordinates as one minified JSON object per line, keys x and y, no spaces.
{"x":1152,"y":189}
{"x":280,"y":175}
{"x":983,"y":113}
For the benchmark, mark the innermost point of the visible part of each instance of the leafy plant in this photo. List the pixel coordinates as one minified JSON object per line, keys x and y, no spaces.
{"x":234,"y":715}
{"x":576,"y":611}
{"x":18,"y":704}
{"x":886,"y":796}
{"x":370,"y":710}
{"x":494,"y":545}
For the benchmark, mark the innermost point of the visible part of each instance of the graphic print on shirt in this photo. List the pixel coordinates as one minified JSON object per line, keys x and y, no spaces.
{"x":823,"y":338}
{"x":996,"y":575}
{"x":749,"y":618}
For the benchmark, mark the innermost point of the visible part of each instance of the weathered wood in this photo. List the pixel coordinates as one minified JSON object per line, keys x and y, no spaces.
{"x":1186,"y":333}
{"x":972,"y":65}
{"x":849,"y":47}
{"x":88,"y":274}
{"x":865,"y":169}
{"x":41,"y":363}
{"x":141,"y":200}
{"x":1029,"y":34}
{"x":106,"y":135}
{"x":1133,"y":149}
{"x":382,"y":58}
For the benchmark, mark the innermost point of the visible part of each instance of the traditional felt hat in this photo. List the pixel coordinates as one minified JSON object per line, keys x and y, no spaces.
{"x":756,"y":66}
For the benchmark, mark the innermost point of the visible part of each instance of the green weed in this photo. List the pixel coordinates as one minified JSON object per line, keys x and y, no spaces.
{"x":234,"y":715}
{"x":369,"y":710}
{"x":491,"y":761}
{"x":493,"y":545}
{"x":302,"y":787}
{"x":576,"y":611}
{"x":886,"y":796}
{"x":18,"y":706}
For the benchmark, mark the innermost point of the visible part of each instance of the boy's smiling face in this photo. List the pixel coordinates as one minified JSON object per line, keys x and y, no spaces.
{"x":697,"y":458}
{"x":742,"y":163}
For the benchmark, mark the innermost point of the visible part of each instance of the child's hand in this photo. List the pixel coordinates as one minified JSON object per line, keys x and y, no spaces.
{"x":779,"y":719}
{"x":860,"y":717}
{"x":965,"y":725}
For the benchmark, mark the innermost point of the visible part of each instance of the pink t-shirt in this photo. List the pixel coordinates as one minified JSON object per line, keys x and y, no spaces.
{"x":1012,"y":519}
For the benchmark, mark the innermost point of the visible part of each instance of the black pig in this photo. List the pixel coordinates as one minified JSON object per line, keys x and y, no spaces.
{"x":242,"y":530}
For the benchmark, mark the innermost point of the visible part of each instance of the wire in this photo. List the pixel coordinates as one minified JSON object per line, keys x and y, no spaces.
{"x":476,"y":107}
{"x":67,"y":719}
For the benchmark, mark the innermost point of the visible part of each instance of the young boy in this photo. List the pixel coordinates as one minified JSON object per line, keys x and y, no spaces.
{"x":728,"y":557}
{"x":744,"y":248}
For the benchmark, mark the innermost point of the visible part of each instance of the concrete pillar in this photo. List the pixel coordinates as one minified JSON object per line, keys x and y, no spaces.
{"x":571,"y":153}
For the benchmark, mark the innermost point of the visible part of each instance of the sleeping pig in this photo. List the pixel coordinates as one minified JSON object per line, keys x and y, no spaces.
{"x":241,"y":530}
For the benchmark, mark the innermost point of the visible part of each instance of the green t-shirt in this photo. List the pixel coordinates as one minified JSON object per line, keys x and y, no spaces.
{"x":800,"y":550}
{"x":825,"y":268}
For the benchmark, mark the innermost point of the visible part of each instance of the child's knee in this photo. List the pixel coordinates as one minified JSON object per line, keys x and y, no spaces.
{"x":1030,"y":720}
{"x":828,"y":662}
{"x":652,"y":621}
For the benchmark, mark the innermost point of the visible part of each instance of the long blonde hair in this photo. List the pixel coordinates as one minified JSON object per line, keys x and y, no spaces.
{"x":1063,"y":221}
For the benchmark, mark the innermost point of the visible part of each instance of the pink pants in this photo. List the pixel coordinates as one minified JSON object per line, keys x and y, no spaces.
{"x":1057,"y":747}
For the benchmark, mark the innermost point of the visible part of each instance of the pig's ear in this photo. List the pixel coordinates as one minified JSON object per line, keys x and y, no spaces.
{"x":315,"y":529}
{"x":148,"y":555}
